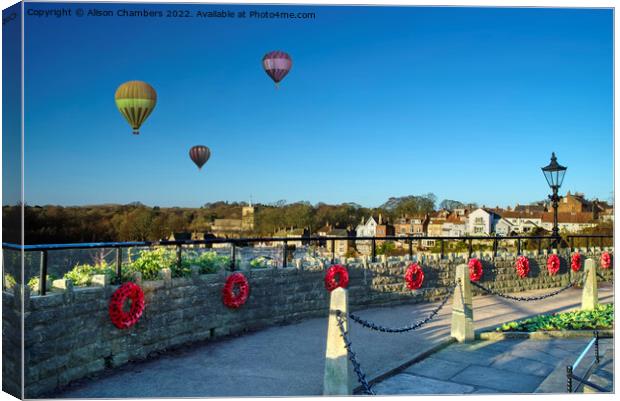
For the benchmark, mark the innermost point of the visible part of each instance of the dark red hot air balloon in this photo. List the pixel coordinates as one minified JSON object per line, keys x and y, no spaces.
{"x":199,"y":155}
{"x":277,"y":64}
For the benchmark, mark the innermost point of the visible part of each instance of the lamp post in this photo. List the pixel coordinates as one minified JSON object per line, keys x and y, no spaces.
{"x":554,"y":173}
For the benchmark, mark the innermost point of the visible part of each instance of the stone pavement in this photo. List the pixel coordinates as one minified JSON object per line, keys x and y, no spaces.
{"x":505,"y":366}
{"x":289,"y":360}
{"x":603,"y":374}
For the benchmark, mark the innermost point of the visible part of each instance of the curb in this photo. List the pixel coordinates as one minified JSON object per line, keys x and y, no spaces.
{"x":406,"y":363}
{"x":542,"y":335}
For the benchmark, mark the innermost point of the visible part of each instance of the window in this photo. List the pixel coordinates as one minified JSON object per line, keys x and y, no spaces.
{"x":479,"y":220}
{"x":478,"y":229}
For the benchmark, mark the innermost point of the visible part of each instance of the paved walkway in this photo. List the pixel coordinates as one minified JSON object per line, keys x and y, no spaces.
{"x":603,"y":374}
{"x":289,"y":360}
{"x":507,"y":366}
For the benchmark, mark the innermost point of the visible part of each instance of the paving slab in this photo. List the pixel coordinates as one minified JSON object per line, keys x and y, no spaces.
{"x":498,"y":379}
{"x":436,"y":368}
{"x":519,"y":365}
{"x":535,"y":355}
{"x":467,"y":357}
{"x":411,"y":384}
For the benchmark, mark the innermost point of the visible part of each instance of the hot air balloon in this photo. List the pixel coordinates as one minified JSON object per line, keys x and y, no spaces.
{"x":277,"y":64}
{"x":135,"y":100}
{"x":199,"y":155}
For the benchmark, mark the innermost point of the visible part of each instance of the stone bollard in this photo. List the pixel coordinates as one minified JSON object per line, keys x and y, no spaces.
{"x":195,"y":272}
{"x":100,"y":280}
{"x":166,"y":275}
{"x":589,"y":297}
{"x":137,"y":278}
{"x":462,"y":328}
{"x":62,"y":284}
{"x":338,"y":371}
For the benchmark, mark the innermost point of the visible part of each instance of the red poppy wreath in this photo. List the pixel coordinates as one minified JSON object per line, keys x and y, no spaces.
{"x":119,"y":317}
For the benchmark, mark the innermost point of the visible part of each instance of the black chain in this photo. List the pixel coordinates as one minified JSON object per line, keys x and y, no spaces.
{"x":536,"y":298}
{"x":413,"y":326}
{"x":361,"y":377}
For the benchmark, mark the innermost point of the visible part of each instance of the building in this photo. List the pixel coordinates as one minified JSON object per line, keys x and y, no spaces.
{"x":298,"y":233}
{"x":523,"y":222}
{"x":569,"y":222}
{"x":420,"y":225}
{"x":384,"y":229}
{"x":342,"y":246}
{"x":482,"y":222}
{"x":577,"y":203}
{"x":196,"y":236}
{"x":532,"y":208}
{"x":368,"y":228}
{"x":504,"y":228}
{"x":403,"y":227}
{"x":181,"y":236}
{"x":235,"y":228}
{"x":454,"y":226}
{"x":414,"y":226}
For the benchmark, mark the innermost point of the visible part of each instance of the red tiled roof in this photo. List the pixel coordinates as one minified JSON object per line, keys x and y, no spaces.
{"x":567,"y":217}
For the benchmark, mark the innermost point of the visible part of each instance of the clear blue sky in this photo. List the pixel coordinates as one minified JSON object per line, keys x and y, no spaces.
{"x":467,"y":103}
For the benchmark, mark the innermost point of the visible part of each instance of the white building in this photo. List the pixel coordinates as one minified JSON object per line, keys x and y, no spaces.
{"x":523,"y":222}
{"x":481,"y":222}
{"x":367,"y":229}
{"x":503,"y":227}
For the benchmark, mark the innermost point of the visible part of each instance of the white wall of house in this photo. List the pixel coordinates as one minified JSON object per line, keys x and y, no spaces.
{"x":503,"y":227}
{"x":450,"y":229}
{"x":480,"y":222}
{"x":524,"y":224}
{"x":569,"y":227}
{"x":368,"y":229}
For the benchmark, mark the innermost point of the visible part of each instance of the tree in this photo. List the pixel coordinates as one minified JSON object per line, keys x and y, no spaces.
{"x":449,"y":204}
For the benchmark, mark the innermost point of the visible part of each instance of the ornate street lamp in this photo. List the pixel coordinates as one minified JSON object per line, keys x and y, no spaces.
{"x":554,"y":173}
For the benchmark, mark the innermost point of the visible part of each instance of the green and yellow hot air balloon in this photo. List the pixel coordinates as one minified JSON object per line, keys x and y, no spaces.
{"x":135,"y":100}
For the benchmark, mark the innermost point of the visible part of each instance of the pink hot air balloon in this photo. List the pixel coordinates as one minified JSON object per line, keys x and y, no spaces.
{"x":277,"y":64}
{"x":199,"y":155}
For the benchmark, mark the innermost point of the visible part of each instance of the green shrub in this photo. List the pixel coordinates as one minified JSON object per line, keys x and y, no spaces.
{"x":149,"y":263}
{"x":9,"y":281}
{"x":259,"y":263}
{"x":33,"y":283}
{"x":600,"y":318}
{"x":82,"y":275}
{"x":209,"y":262}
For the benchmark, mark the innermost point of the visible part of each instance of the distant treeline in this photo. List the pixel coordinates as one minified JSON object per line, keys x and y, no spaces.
{"x":136,"y":222}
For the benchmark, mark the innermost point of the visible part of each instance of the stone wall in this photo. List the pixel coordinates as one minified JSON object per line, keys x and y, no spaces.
{"x":11,"y":344}
{"x":68,"y":333}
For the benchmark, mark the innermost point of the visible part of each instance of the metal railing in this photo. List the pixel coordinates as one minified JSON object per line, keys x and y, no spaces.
{"x":582,"y":380}
{"x":321,"y":240}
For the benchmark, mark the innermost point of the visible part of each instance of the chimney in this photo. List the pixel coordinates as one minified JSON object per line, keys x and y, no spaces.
{"x":380,"y":219}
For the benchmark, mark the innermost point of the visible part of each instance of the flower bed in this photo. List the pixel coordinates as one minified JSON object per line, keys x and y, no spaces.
{"x":600,"y":318}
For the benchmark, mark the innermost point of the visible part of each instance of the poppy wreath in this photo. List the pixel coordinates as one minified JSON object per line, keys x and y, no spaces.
{"x":475,"y":269}
{"x":523,"y":266}
{"x":330,"y":277}
{"x":605,"y":260}
{"x":575,"y":262}
{"x":234,"y":299}
{"x":118,"y":316}
{"x":553,"y":264}
{"x":414,"y":276}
